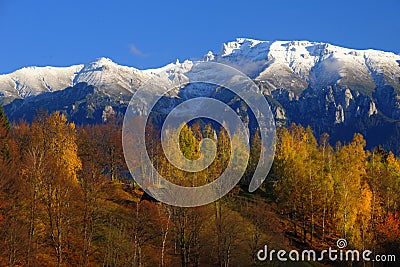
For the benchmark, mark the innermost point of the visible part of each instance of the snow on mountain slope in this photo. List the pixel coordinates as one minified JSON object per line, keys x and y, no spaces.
{"x":35,"y":80}
{"x":102,"y":73}
{"x":290,"y":64}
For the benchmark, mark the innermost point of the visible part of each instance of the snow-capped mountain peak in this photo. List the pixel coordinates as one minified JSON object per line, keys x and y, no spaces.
{"x":312,"y":83}
{"x":246,"y":47}
{"x":35,"y":80}
{"x":305,"y":63}
{"x":294,"y":65}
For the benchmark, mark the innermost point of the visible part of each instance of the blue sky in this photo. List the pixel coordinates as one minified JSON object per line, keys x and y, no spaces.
{"x":150,"y":33}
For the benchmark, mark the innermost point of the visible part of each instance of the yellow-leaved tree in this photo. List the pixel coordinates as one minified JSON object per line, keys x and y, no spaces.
{"x":349,"y":174}
{"x":54,"y":139}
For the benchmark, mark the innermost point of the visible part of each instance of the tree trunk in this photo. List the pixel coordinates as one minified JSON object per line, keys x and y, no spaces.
{"x":165,"y":240}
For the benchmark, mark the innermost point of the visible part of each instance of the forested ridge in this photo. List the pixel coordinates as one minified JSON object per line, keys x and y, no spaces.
{"x":66,"y":199}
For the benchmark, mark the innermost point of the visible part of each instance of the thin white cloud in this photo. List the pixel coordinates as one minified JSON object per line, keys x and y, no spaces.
{"x":134,"y":50}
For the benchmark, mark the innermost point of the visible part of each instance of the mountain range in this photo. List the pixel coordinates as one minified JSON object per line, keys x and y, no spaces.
{"x":333,"y":89}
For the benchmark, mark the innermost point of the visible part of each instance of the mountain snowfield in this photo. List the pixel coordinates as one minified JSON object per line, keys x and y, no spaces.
{"x":333,"y":89}
{"x":288,"y":64}
{"x":280,"y":64}
{"x":32,"y":81}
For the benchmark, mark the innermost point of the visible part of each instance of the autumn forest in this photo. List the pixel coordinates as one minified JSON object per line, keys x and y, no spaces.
{"x":67,"y":199}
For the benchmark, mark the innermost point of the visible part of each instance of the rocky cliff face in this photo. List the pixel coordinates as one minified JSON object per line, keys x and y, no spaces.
{"x":333,"y":89}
